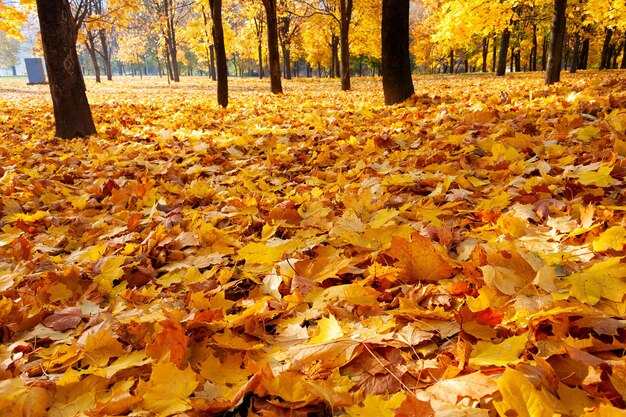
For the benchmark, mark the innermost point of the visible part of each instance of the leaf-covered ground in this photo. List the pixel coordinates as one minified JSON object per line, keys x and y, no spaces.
{"x":317,"y":253}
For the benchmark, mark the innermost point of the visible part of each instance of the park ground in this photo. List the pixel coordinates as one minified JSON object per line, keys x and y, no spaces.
{"x":316,"y":253}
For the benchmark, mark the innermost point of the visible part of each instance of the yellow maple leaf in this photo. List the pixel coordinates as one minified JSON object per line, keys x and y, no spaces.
{"x":169,"y":389}
{"x":612,"y":238}
{"x":587,"y":133}
{"x":102,"y":346}
{"x":110,"y":270}
{"x":267,"y":254}
{"x":603,"y":280}
{"x":600,"y":178}
{"x":519,"y":396}
{"x":76,"y":398}
{"x":328,"y":329}
{"x":486,"y":353}
{"x":227,"y":373}
{"x":377,"y":405}
{"x":130,"y":360}
{"x":289,"y":385}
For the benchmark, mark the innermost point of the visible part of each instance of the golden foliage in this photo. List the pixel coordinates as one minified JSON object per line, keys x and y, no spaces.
{"x":459,"y":253}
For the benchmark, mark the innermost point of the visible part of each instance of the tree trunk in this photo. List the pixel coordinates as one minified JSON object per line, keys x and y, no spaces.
{"x":466,"y":65}
{"x":533,"y":51}
{"x":544,"y":53}
{"x":220,"y":52}
{"x":575,"y":54}
{"x":319,"y":69}
{"x":174,"y":61}
{"x":260,"y":58}
{"x":211,"y":47}
{"x":168,"y":65}
{"x":606,"y":49}
{"x":159,"y":65}
{"x":495,"y":53}
{"x":170,"y":39}
{"x":106,"y":55}
{"x":335,"y":71}
{"x":91,"y":49}
{"x":485,"y":53}
{"x":616,"y":54}
{"x":553,"y":71}
{"x":396,"y":63}
{"x":72,"y":114}
{"x":584,"y":54}
{"x":566,"y":53}
{"x":344,"y":35}
{"x":451,"y":58}
{"x":623,"y":64}
{"x":504,"y":47}
{"x":518,"y":61}
{"x":286,"y":61}
{"x":272,"y":46}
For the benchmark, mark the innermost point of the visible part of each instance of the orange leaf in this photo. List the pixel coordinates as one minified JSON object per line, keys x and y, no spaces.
{"x":171,"y":340}
{"x":419,"y":260}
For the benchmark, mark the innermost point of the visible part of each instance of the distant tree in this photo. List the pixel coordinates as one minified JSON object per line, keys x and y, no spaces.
{"x":9,"y":49}
{"x":341,"y":12}
{"x":72,"y":114}
{"x":397,"y":81}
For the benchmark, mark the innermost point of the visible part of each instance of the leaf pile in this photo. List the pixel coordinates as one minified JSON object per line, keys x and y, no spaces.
{"x":317,"y":253}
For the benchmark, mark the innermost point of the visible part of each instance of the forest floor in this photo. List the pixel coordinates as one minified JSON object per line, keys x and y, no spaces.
{"x":316,"y":253}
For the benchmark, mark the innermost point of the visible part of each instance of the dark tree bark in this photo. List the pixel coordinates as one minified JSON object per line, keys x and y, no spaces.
{"x":451,"y":59}
{"x":623,"y":64}
{"x":168,"y":65}
{"x":210,"y":49}
{"x":212,"y":72}
{"x":72,"y":114}
{"x":106,"y":54}
{"x":272,"y":46}
{"x":557,"y":34}
{"x":260,"y":54}
{"x":90,"y":44}
{"x":616,"y":54}
{"x":544,"y":53}
{"x":220,"y":52}
{"x":335,"y":71}
{"x":605,"y":60}
{"x":344,"y":33}
{"x":286,"y":61}
{"x":533,"y":51}
{"x":565,"y":54}
{"x":485,"y":53}
{"x":396,"y":63}
{"x":518,"y":60}
{"x":504,"y":47}
{"x":495,"y":54}
{"x":584,"y":54}
{"x":574,"y":67}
